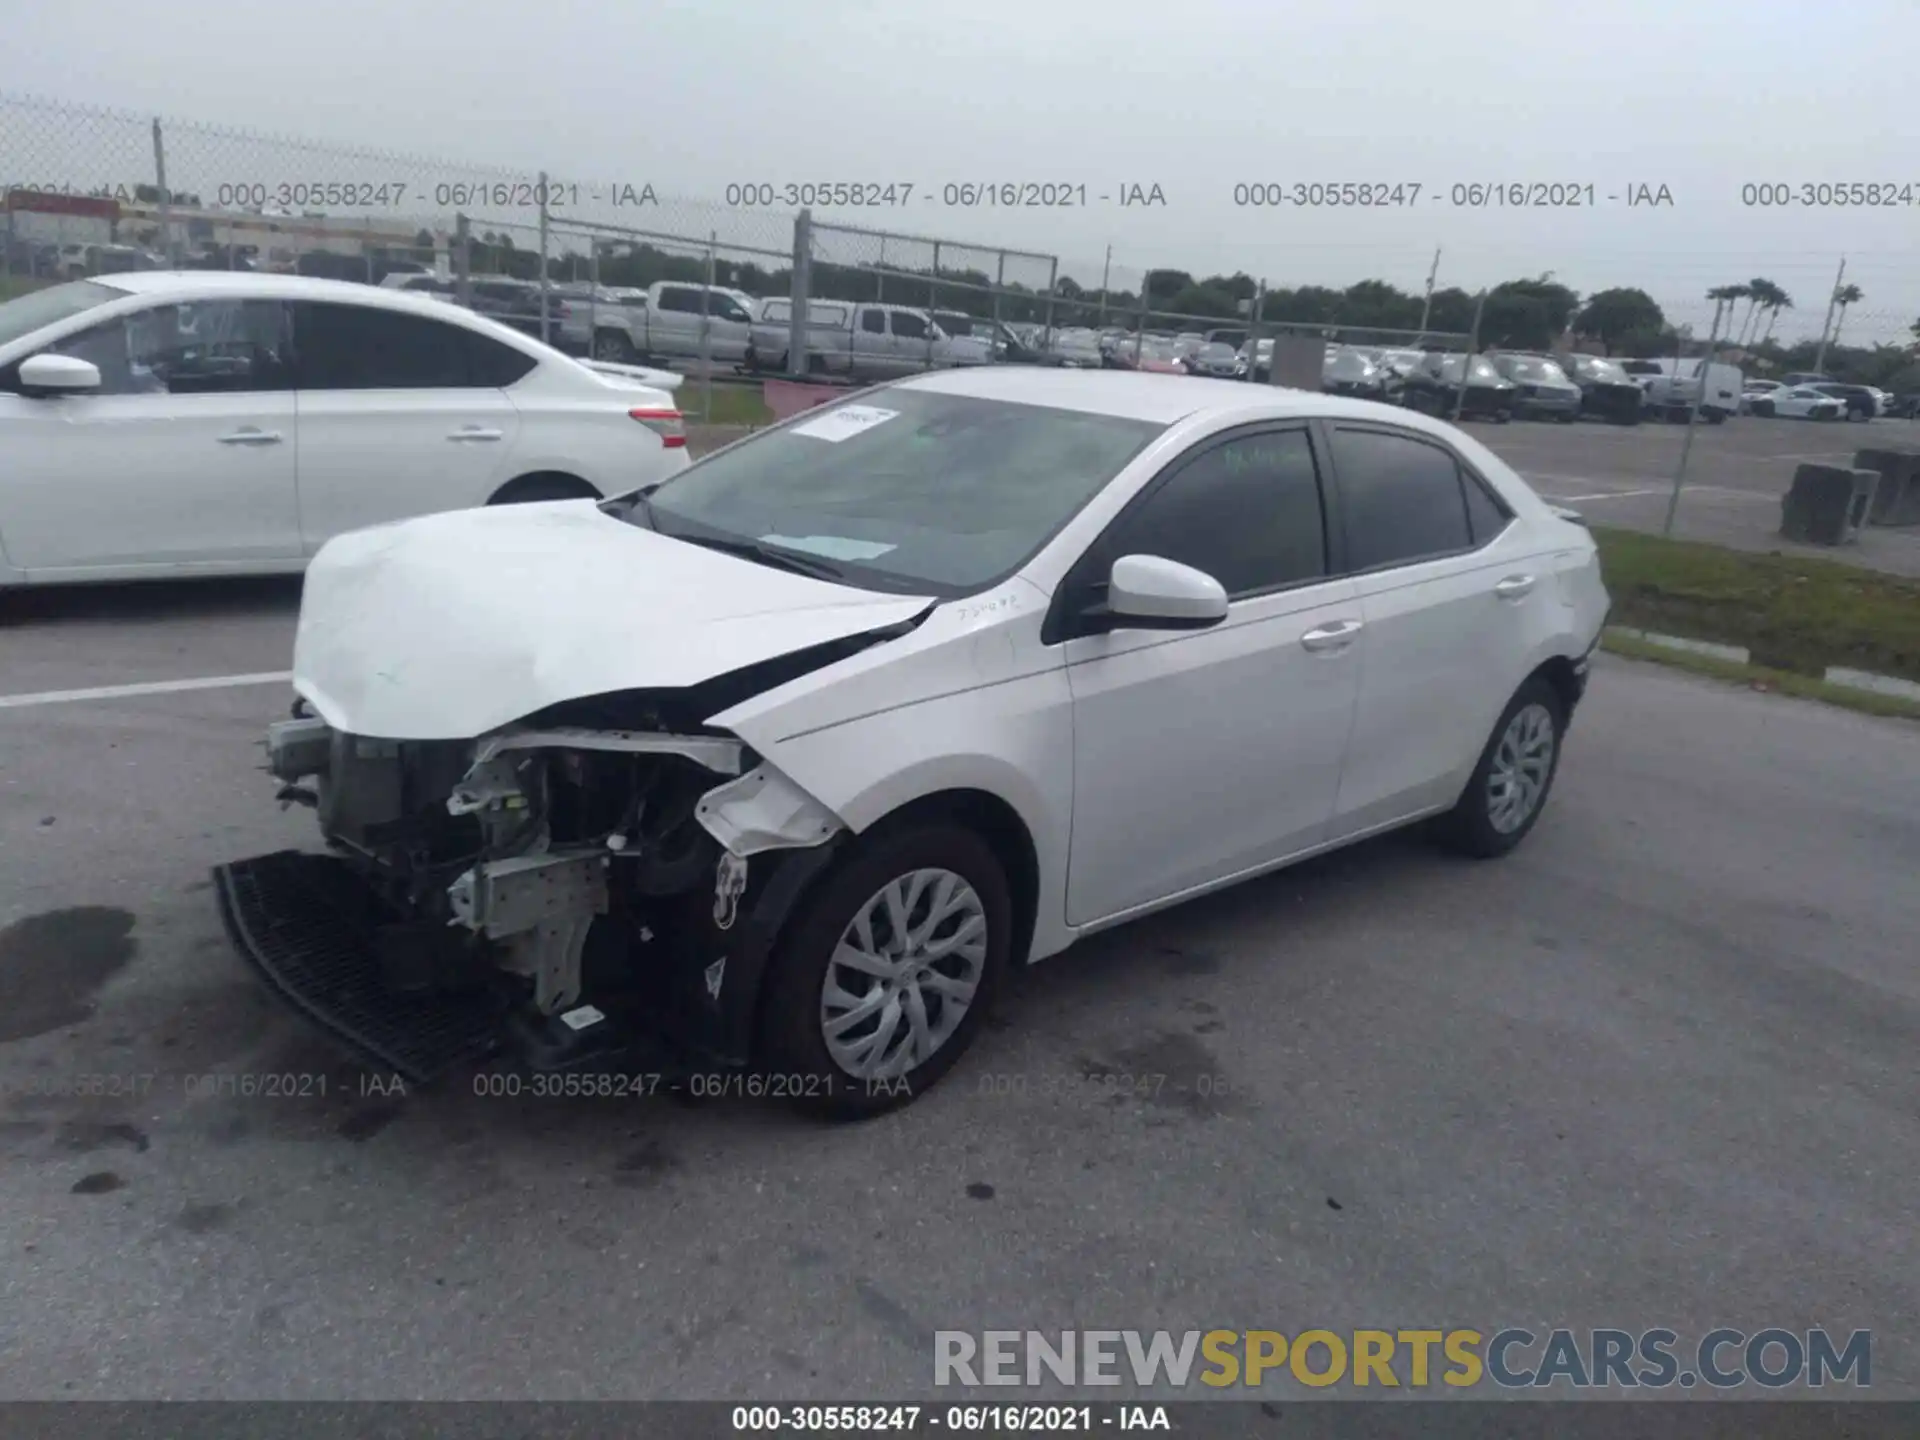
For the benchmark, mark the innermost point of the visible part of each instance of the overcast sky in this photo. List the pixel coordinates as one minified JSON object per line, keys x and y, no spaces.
{"x":1195,"y":97}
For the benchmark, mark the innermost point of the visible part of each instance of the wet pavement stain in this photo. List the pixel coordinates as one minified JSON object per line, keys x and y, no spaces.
{"x":199,"y":1219}
{"x":83,"y":1137}
{"x":53,"y":965}
{"x":368,"y":1121}
{"x":644,"y":1168}
{"x":980,"y":1190}
{"x":1171,"y":1070}
{"x":100,"y":1182}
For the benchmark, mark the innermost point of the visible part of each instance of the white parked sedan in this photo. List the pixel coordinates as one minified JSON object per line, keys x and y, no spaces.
{"x":1797,"y":402}
{"x":208,"y":423}
{"x":785,"y":763}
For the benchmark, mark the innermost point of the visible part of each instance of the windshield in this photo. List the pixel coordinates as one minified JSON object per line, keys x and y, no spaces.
{"x":38,"y":308}
{"x":1536,"y":371}
{"x":912,"y":491}
{"x":1594,"y":369}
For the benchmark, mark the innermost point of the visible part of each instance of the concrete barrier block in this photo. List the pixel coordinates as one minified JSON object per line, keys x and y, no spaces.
{"x":1827,"y":504}
{"x":1896,"y":499}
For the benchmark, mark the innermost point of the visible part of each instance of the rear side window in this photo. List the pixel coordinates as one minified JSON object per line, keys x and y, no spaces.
{"x":354,"y":347}
{"x":680,"y":299}
{"x":874,"y":322}
{"x":1401,"y":499}
{"x":1487,"y":516}
{"x":1247,"y":512}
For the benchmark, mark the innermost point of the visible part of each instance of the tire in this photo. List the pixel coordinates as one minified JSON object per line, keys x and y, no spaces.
{"x":614,"y":346}
{"x":1763,"y":409}
{"x":542,"y":488}
{"x":1475,"y":824}
{"x":797,"y":999}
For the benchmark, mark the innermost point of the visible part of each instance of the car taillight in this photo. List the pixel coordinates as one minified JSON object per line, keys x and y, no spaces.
{"x":669,"y":425}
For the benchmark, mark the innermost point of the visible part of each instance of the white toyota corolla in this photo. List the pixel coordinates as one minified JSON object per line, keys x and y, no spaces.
{"x":782,"y":765}
{"x":202,"y":423}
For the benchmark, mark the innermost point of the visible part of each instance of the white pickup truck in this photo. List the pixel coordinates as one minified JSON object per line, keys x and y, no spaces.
{"x":662,"y":322}
{"x":865,"y":342}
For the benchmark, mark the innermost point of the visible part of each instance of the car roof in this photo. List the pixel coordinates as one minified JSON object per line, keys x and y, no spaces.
{"x":1131,"y":394}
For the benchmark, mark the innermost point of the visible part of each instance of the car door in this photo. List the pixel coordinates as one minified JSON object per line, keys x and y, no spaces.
{"x":400,"y":415}
{"x":729,"y":328}
{"x":912,"y":341}
{"x":1450,"y":593}
{"x":185,"y":454}
{"x":1201,"y":755}
{"x":872,"y":346}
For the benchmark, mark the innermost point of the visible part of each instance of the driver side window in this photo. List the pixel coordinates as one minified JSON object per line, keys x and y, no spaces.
{"x":1248,"y":512}
{"x":203,"y":347}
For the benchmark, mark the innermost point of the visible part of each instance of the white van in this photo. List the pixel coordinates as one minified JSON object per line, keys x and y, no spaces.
{"x":1673,"y":386}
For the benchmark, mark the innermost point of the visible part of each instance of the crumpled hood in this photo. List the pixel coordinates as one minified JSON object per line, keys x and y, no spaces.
{"x":448,"y":626}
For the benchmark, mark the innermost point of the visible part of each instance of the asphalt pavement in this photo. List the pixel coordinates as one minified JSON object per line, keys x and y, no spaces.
{"x":1656,"y":1068}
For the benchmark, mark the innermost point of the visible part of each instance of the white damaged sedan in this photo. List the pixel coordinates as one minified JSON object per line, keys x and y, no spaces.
{"x":782,"y":764}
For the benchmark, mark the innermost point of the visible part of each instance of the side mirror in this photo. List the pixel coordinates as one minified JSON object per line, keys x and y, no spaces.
{"x":58,"y":374}
{"x":1148,"y":592}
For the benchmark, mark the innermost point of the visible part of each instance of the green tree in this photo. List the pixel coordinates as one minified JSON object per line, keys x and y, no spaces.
{"x":1612,"y":316}
{"x":1526,"y":314}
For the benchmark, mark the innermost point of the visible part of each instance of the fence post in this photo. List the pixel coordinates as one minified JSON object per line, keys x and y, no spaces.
{"x":166,"y":199}
{"x":1693,"y":416}
{"x":1466,"y":364}
{"x":706,"y":331}
{"x":933,"y":299}
{"x":1253,"y":331}
{"x":546,"y":333}
{"x":593,"y":296}
{"x":1053,"y":280}
{"x":463,"y":259}
{"x":999,"y":284}
{"x":800,"y":283}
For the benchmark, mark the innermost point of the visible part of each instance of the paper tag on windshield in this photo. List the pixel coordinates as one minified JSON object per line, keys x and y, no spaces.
{"x":837,"y":425}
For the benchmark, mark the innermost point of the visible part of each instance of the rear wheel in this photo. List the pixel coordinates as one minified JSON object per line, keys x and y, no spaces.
{"x":614,"y":346}
{"x":1510,"y":784}
{"x":883,"y":982}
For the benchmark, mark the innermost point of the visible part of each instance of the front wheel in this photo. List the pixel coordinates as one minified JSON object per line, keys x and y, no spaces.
{"x":885,"y":979}
{"x":1510,"y":784}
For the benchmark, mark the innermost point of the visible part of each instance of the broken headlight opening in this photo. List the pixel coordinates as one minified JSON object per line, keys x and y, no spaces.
{"x":591,"y":895}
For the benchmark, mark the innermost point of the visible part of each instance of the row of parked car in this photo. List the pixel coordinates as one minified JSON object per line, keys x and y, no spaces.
{"x":870,"y":341}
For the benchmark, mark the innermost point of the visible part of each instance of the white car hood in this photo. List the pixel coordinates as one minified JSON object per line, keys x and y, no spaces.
{"x":449,"y":626}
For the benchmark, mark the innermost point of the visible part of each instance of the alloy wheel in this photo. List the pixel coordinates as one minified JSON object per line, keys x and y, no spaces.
{"x":1522,"y":763}
{"x":904,"y":974}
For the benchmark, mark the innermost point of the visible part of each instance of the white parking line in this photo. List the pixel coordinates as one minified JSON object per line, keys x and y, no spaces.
{"x":1605,"y":495}
{"x":151,"y":687}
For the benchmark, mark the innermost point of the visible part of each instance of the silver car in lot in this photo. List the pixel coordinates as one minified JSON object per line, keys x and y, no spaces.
{"x":1216,"y":359}
{"x":1541,"y":388}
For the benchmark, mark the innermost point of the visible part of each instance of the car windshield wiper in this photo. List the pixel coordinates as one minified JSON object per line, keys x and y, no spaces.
{"x":764,"y":555}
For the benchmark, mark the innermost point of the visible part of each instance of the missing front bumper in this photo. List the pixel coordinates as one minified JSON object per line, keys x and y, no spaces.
{"x":314,"y":932}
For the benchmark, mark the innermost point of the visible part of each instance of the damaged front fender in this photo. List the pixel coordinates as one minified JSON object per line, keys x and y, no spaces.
{"x":764,"y":810}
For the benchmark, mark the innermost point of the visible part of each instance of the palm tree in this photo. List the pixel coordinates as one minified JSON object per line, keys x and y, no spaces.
{"x":1723,"y":295}
{"x":1756,"y":294}
{"x":1761,"y":292}
{"x":1843,"y":297}
{"x":1779,"y":301}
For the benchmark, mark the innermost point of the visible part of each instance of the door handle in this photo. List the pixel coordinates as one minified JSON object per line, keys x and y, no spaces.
{"x":474,"y":432}
{"x":1514,"y":587}
{"x":248,"y":435}
{"x":1336,"y":636}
